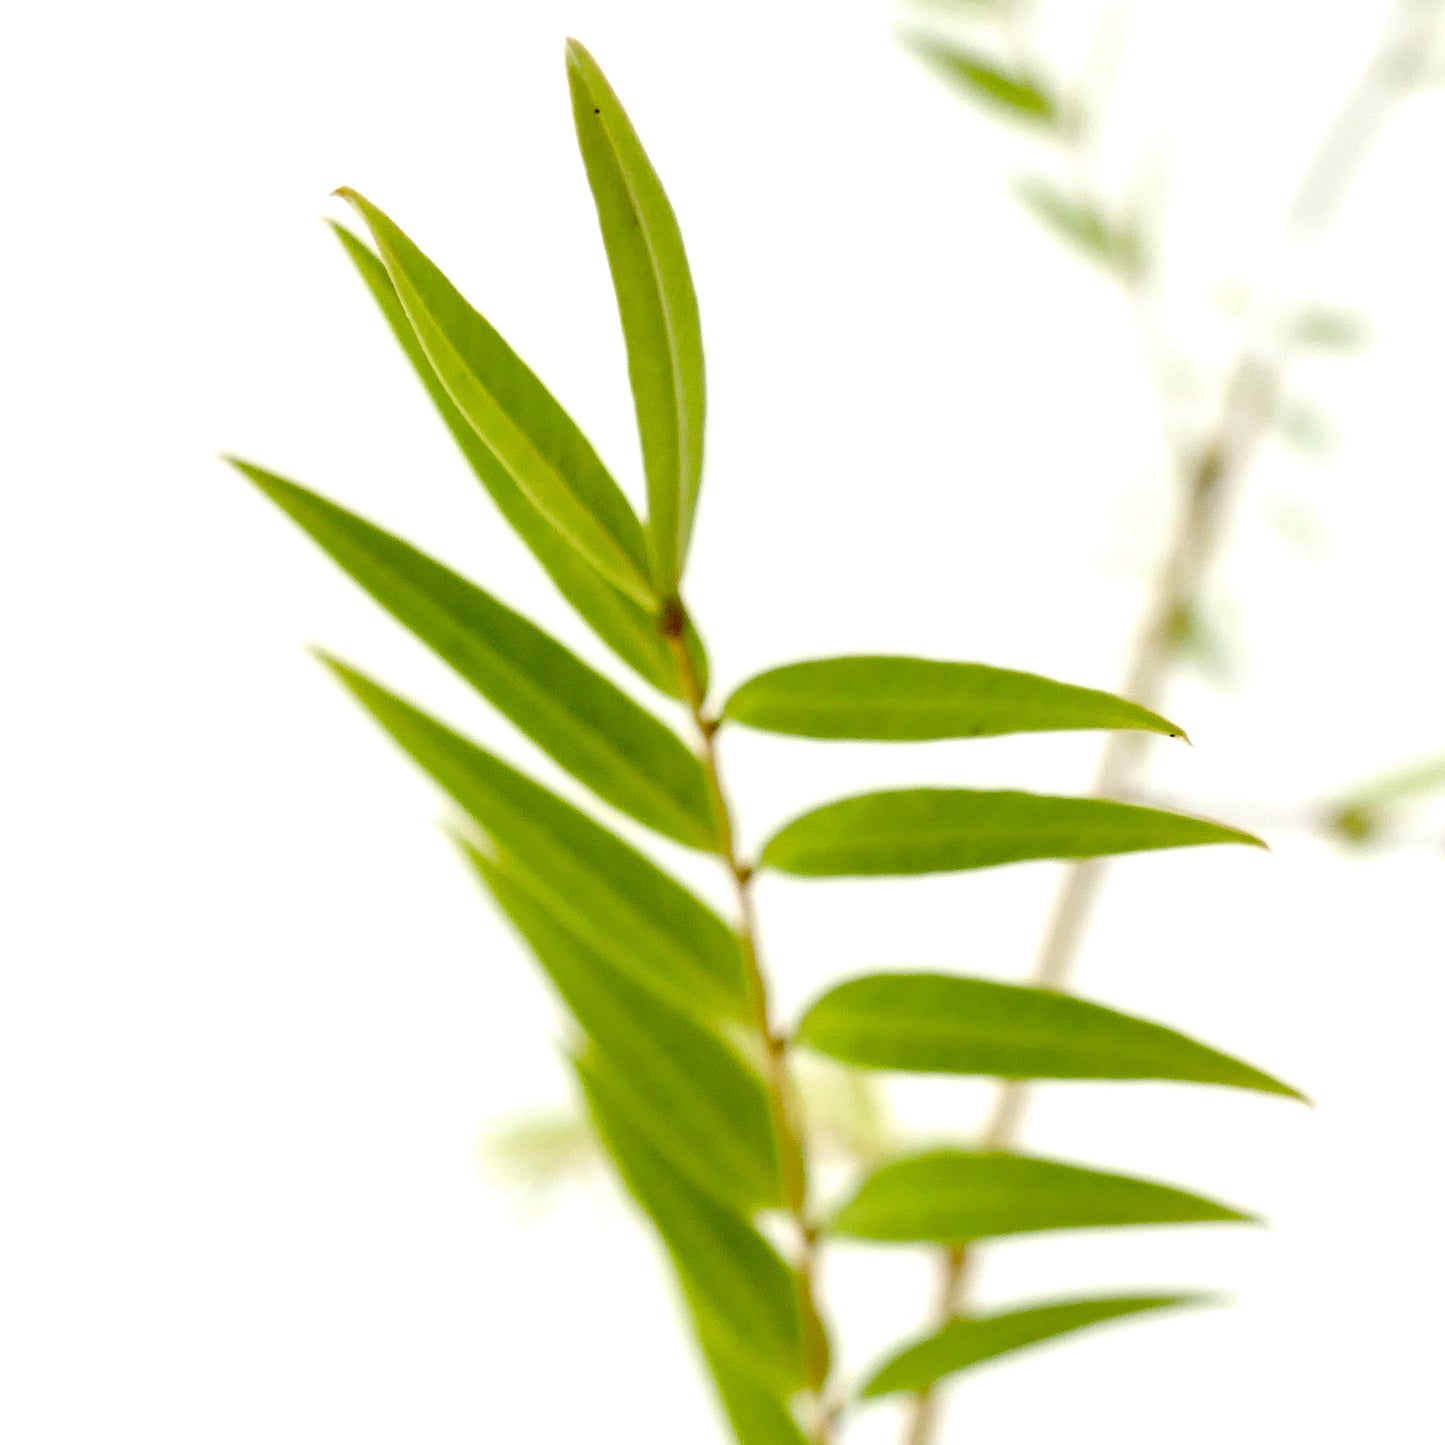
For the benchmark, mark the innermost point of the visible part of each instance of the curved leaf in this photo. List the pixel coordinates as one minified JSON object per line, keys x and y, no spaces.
{"x":1018,"y":96}
{"x":758,"y":1415}
{"x":954,"y":1196}
{"x":658,"y":307}
{"x":515,"y":416}
{"x":944,"y":830}
{"x":628,"y":628}
{"x":964,"y":1342}
{"x":686,"y":1088}
{"x":940,"y":1024}
{"x":740,"y":1291}
{"x":901,"y":699}
{"x":583,"y":721}
{"x":601,"y":888}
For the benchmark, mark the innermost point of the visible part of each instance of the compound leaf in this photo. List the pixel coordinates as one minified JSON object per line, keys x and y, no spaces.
{"x":955,"y":1196}
{"x":628,"y":628}
{"x":938,"y":1023}
{"x":943,"y":830}
{"x":687,"y":1088}
{"x":901,"y":699}
{"x":583,"y":721}
{"x":658,"y":307}
{"x":515,"y":416}
{"x":600,"y":887}
{"x":964,"y":1342}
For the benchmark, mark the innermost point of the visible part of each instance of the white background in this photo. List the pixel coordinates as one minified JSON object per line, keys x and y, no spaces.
{"x":255,"y":1018}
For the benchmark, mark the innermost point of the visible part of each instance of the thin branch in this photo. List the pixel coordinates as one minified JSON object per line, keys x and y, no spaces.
{"x":781,"y":1102}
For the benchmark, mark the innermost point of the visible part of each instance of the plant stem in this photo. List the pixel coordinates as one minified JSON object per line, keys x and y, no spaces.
{"x":774,"y":1044}
{"x":1209,"y":474}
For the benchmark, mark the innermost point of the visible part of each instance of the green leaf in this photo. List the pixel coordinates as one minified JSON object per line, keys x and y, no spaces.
{"x":1080,"y":223}
{"x":1365,"y":810}
{"x":601,"y":888}
{"x":1018,"y":96}
{"x":758,"y":1415}
{"x":740,"y":1291}
{"x":583,"y":721}
{"x":943,"y":830}
{"x":515,"y":416}
{"x":686,"y":1087}
{"x":955,"y":1196}
{"x":1304,"y":426}
{"x":628,"y":628}
{"x":1329,"y":328}
{"x":964,"y":1342}
{"x":658,"y":307}
{"x":900,"y":699}
{"x":934,"y":1023}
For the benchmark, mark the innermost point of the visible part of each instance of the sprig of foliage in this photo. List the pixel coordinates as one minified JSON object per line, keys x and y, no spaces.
{"x":688,"y":1075}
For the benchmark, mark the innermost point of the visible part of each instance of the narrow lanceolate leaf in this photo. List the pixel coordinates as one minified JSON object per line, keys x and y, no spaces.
{"x":686,"y":1088}
{"x":586,"y":723}
{"x":1081,"y":223}
{"x":599,"y":887}
{"x":965,"y":1342}
{"x":1018,"y":96}
{"x":658,"y":307}
{"x":741,"y":1293}
{"x":515,"y":416}
{"x":944,"y":830}
{"x":758,"y":1415}
{"x":954,"y":1196}
{"x":934,"y":1023}
{"x":903,"y":699}
{"x":627,"y":627}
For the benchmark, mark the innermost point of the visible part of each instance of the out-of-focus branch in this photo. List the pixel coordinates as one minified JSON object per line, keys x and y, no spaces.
{"x":1209,"y":468}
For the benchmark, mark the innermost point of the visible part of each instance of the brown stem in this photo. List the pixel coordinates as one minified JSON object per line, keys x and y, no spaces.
{"x":774,"y":1045}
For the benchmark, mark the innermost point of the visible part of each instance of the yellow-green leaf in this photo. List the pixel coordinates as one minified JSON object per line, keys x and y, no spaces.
{"x":658,"y":308}
{"x":602,"y":888}
{"x":955,"y":1196}
{"x":628,"y":628}
{"x":941,"y":1024}
{"x":901,"y":699}
{"x":944,"y":830}
{"x":687,"y":1088}
{"x":515,"y":416}
{"x":970,"y":1341}
{"x":1020,"y":97}
{"x":740,"y":1291}
{"x":586,"y":723}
